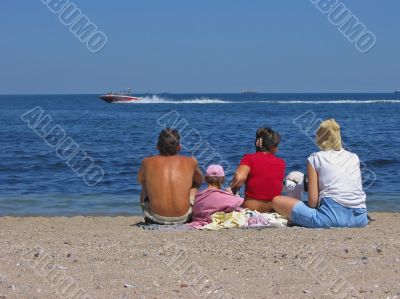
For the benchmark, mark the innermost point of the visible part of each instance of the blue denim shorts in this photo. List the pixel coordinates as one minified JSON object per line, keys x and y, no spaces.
{"x":328,"y":214}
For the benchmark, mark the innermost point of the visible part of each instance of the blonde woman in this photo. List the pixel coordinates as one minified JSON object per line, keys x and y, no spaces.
{"x":335,"y":194}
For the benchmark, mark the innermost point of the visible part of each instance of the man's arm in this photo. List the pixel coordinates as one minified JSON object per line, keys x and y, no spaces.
{"x":197,"y":176}
{"x":140,"y":176}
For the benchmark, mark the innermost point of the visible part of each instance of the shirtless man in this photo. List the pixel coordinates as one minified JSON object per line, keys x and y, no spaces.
{"x":168,"y":182}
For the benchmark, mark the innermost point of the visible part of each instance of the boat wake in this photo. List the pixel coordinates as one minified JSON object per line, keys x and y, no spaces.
{"x":336,"y":102}
{"x":204,"y":100}
{"x":158,"y":100}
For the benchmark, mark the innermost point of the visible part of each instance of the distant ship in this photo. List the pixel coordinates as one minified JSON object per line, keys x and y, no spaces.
{"x":124,"y":96}
{"x":397,"y":92}
{"x":249,"y":92}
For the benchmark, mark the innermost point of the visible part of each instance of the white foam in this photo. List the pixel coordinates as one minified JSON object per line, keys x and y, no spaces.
{"x":158,"y":100}
{"x":337,"y":102}
{"x":154,"y":99}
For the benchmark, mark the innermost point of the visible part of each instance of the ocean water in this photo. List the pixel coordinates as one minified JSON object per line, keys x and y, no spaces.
{"x":36,"y":178}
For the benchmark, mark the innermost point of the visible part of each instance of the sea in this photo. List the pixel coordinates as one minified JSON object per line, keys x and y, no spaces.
{"x":65,"y":155}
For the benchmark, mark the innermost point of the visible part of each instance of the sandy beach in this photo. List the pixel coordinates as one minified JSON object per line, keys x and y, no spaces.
{"x":105,"y":257}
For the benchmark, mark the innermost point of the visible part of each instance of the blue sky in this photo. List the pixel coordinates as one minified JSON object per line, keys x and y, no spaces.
{"x":198,"y":46}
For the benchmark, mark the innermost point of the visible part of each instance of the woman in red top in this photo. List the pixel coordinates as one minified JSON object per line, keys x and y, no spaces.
{"x":261,"y":172}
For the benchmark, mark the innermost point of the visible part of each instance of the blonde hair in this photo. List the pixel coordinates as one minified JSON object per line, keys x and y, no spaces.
{"x":328,"y":136}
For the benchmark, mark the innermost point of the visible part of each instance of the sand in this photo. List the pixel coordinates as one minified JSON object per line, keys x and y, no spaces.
{"x":105,"y":257}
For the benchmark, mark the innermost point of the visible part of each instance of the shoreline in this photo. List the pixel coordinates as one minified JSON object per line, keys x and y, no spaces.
{"x":12,"y":207}
{"x":110,"y":257}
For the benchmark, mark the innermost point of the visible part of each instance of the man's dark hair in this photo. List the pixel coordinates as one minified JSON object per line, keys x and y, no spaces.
{"x":168,"y":142}
{"x":266,"y":139}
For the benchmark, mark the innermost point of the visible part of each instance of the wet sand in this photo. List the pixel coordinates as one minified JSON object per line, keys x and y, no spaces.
{"x":105,"y":257}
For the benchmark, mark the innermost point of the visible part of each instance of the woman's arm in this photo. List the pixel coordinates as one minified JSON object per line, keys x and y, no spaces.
{"x":313,"y":192}
{"x":239,"y":178}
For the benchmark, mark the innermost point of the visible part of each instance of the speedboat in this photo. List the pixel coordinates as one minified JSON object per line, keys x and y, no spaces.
{"x":120,"y":97}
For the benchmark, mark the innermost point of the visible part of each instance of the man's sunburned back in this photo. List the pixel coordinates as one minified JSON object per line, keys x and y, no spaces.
{"x":168,"y":181}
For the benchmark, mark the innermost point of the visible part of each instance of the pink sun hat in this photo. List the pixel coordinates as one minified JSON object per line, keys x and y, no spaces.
{"x":215,"y":170}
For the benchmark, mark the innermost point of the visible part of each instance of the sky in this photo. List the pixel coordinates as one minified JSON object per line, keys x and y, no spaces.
{"x":207,"y":46}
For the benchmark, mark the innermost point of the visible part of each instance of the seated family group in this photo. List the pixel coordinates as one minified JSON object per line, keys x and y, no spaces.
{"x":171,"y":182}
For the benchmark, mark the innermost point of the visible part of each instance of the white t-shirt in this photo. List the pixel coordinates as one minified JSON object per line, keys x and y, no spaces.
{"x":339,"y":177}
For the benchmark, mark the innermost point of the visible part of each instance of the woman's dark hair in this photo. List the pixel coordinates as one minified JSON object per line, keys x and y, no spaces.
{"x":169,"y":141}
{"x":215,"y":180}
{"x":266,"y":139}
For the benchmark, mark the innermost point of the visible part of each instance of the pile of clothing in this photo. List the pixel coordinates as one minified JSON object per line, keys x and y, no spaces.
{"x":244,"y":218}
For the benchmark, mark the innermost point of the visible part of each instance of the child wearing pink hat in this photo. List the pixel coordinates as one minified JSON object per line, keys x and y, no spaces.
{"x":213,"y":199}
